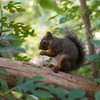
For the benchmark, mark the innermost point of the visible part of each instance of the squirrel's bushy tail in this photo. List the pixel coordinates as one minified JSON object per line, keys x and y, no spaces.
{"x":80,"y":47}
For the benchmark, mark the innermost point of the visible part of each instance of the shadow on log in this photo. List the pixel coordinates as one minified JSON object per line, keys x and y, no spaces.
{"x":65,"y":80}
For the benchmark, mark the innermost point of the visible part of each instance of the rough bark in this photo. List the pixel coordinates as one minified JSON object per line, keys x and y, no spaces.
{"x":65,"y":80}
{"x":89,"y":36}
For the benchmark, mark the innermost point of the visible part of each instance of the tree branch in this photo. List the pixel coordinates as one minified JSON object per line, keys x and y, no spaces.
{"x":65,"y":80}
{"x":89,"y":36}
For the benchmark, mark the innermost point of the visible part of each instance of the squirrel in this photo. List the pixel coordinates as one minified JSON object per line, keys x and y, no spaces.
{"x":69,"y":51}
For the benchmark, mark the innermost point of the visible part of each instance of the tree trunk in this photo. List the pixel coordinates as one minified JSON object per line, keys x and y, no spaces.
{"x":65,"y":80}
{"x":95,"y":69}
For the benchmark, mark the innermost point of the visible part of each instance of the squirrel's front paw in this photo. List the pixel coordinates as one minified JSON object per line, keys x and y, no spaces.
{"x":51,"y":66}
{"x":42,"y":52}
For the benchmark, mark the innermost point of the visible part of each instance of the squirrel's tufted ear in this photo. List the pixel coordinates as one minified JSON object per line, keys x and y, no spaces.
{"x":49,"y":34}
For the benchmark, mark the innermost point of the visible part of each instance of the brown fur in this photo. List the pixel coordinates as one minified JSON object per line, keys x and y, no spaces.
{"x":68,"y":50}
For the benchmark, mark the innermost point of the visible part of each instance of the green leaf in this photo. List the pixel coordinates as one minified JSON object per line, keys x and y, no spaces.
{"x":5,"y":88}
{"x":6,"y":30}
{"x":5,"y":24}
{"x":76,"y":93}
{"x":13,"y":6}
{"x":12,"y":11}
{"x":28,"y":83}
{"x":42,"y":94}
{"x":11,"y":37}
{"x":97,"y":95}
{"x":95,"y":42}
{"x":4,"y":71}
{"x":58,"y":91}
{"x":62,"y":20}
{"x":4,"y":18}
{"x":32,"y":85}
{"x":97,"y":26}
{"x":21,"y":50}
{"x":2,"y":42}
{"x":88,"y":11}
{"x":21,"y":30}
{"x":52,"y":17}
{"x":12,"y":47}
{"x":20,"y":9}
{"x":97,"y":80}
{"x":49,"y":4}
{"x":94,"y":57}
{"x":22,"y":58}
{"x":20,"y":80}
{"x":5,"y":7}
{"x":29,"y":86}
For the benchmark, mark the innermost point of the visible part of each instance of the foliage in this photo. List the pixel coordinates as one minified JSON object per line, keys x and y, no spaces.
{"x":97,"y":95}
{"x":26,"y":85}
{"x":96,"y":43}
{"x":70,"y":13}
{"x":14,"y":6}
{"x":49,"y":4}
{"x":38,"y":88}
{"x":19,"y":29}
{"x":12,"y":34}
{"x":95,"y":57}
{"x":22,"y":58}
{"x":85,"y":71}
{"x":3,"y":71}
{"x":97,"y":80}
{"x":4,"y":85}
{"x":7,"y":44}
{"x":76,"y":93}
{"x":4,"y":89}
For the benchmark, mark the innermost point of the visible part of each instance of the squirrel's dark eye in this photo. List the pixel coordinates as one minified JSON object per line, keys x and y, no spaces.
{"x":44,"y":42}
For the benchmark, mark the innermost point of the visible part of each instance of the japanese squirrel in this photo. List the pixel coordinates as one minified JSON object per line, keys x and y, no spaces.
{"x":69,"y":51}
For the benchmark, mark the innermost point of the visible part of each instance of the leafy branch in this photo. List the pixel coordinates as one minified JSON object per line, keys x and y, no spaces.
{"x":12,"y":34}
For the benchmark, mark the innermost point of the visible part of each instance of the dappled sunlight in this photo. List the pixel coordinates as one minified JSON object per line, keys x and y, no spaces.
{"x":97,"y":35}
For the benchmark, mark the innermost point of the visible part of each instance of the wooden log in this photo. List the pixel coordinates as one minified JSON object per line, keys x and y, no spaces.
{"x":65,"y":80}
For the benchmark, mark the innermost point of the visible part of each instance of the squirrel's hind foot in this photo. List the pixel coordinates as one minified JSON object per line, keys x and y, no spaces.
{"x":56,"y":69}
